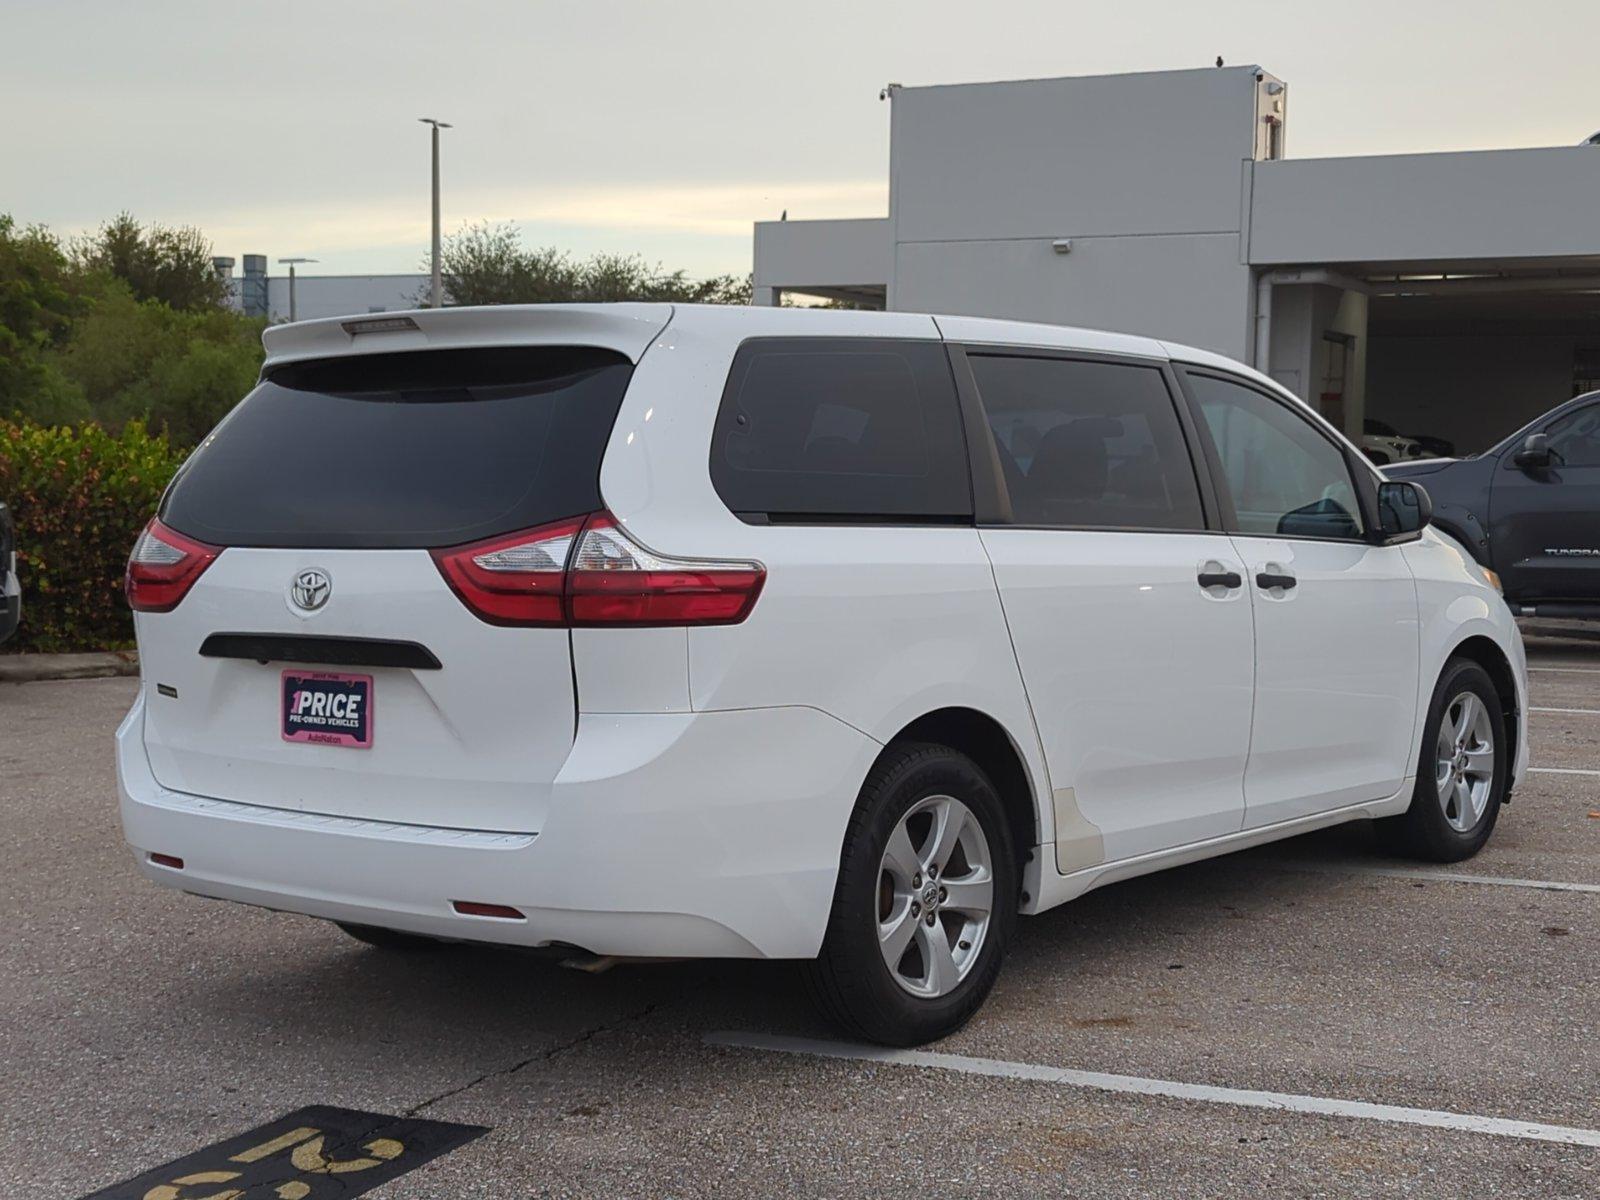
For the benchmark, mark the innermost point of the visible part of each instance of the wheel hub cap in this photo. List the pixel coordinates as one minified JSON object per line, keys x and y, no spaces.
{"x":935,"y":896}
{"x":1465,"y":765}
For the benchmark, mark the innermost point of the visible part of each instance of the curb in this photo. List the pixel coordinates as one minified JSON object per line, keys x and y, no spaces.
{"x":31,"y":668}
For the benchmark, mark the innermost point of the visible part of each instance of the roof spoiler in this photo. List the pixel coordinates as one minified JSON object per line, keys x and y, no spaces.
{"x":626,"y":328}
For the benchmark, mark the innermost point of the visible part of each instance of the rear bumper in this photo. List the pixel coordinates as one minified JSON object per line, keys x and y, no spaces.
{"x":673,"y":835}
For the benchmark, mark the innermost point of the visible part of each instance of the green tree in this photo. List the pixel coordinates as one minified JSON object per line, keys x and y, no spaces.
{"x":185,"y":395}
{"x":171,"y":264}
{"x":177,"y":372}
{"x":40,"y":296}
{"x":487,"y":264}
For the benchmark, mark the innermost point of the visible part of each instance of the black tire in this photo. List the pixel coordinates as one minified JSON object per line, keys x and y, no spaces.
{"x":391,"y":939}
{"x":1423,"y":831}
{"x":850,"y":981}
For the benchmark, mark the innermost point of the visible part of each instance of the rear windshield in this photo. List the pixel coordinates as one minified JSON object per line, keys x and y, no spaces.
{"x":421,"y":449}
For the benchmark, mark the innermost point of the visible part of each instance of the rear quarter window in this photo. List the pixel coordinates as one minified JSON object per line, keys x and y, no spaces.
{"x":841,"y":429}
{"x":417,"y":449}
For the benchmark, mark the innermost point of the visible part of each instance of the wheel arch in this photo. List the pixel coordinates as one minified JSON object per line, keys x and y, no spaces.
{"x":1486,"y":652}
{"x":1463,"y":526}
{"x":988,"y":743}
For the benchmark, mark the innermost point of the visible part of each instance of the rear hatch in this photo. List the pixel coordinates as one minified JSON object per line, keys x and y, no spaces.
{"x":325,"y":491}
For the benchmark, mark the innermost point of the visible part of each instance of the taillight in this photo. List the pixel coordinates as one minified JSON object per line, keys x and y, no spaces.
{"x":589,"y":572}
{"x":612,"y":580}
{"x":163,"y":567}
{"x":515,"y":579}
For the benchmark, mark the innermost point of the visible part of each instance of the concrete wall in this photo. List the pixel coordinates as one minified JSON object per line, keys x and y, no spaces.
{"x":795,"y":254}
{"x":1143,"y":173}
{"x":1480,"y":205}
{"x":1472,"y":389}
{"x":1184,"y":288}
{"x":1154,"y":153}
{"x":1302,"y":358}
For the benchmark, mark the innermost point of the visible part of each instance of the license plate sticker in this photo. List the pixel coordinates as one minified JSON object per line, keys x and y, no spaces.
{"x":327,"y":708}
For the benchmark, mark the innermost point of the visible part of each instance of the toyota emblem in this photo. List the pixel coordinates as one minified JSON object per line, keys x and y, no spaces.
{"x":310,"y":589}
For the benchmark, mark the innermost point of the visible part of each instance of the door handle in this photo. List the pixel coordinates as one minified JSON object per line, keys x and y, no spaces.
{"x":1222,"y":579}
{"x":1267,"y":579}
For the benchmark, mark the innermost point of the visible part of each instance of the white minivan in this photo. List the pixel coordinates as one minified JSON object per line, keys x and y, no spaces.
{"x":652,"y":631}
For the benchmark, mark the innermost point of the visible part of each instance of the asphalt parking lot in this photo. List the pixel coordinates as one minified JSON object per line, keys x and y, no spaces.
{"x":140,"y":1026}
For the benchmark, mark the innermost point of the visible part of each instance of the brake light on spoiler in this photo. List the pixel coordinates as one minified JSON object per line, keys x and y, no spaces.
{"x":163,"y":567}
{"x":587,"y":572}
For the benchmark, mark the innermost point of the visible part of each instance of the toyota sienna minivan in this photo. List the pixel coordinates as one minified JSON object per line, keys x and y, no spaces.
{"x":651,"y":631}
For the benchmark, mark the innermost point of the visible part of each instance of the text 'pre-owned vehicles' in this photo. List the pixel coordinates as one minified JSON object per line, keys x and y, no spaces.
{"x":1529,"y":509}
{"x":841,"y":637}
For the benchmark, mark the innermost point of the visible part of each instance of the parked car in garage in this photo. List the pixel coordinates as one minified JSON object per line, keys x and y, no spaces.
{"x":1434,"y":447}
{"x":10,"y":585}
{"x":1529,"y":509}
{"x":779,"y":633}
{"x":1383,"y":444}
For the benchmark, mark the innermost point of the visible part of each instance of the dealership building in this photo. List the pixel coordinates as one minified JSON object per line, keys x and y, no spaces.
{"x":257,"y":293}
{"x":1453,"y":295}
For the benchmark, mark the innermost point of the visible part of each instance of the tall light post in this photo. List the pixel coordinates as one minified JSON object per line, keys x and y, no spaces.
{"x":291,"y":263}
{"x":438,"y":281}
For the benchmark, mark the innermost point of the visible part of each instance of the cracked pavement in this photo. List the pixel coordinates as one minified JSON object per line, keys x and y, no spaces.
{"x":139,"y":1025}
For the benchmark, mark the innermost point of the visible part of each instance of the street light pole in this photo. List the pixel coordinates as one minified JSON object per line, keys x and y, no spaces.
{"x":293,"y":310}
{"x":438,"y":281}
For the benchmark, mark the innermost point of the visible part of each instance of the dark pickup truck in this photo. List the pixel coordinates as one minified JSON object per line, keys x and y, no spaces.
{"x":1529,"y":509}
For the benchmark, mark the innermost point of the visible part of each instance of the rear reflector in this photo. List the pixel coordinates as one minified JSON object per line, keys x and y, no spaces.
{"x":167,"y":860}
{"x":163,"y":567}
{"x":473,"y":908}
{"x":587,"y":571}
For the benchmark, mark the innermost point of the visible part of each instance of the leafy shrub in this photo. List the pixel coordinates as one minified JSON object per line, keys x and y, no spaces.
{"x":79,"y":496}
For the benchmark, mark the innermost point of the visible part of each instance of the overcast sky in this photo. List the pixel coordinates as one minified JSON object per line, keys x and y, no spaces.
{"x":289,"y":128}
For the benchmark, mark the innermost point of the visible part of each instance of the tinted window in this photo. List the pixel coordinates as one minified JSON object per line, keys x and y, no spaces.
{"x":402,"y":450}
{"x":841,"y":427}
{"x":1286,"y":476}
{"x":1088,"y":443}
{"x":1576,"y":437}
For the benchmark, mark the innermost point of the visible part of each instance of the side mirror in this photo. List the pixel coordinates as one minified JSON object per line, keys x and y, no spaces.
{"x":1325,"y":518}
{"x":1404,"y":509}
{"x":1535,"y":454}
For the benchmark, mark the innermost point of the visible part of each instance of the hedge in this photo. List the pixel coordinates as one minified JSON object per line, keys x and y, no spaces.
{"x":79,"y":496}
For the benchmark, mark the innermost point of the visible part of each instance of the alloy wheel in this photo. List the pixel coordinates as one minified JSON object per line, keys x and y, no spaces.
{"x":1464,"y":772}
{"x":935,"y":896}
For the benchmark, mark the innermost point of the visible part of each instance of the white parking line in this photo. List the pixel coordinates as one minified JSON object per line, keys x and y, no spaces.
{"x":1541,"y":885}
{"x":1562,"y":771}
{"x":1240,"y":1097}
{"x":1570,"y":670}
{"x":1582,"y":712}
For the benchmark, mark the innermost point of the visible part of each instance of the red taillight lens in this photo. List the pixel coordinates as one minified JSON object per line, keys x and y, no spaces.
{"x":516,"y":579}
{"x":613,"y":580}
{"x":588,"y":571}
{"x":163,"y":567}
